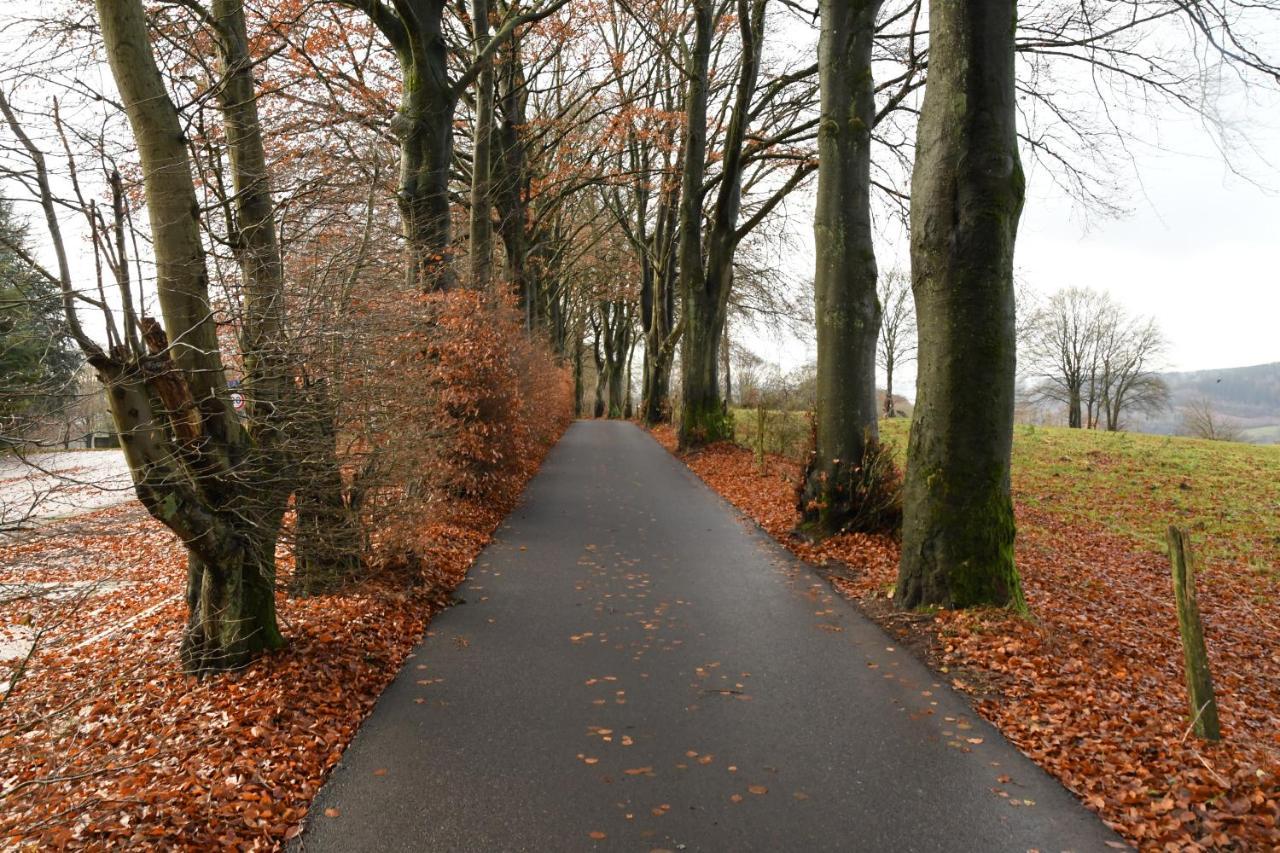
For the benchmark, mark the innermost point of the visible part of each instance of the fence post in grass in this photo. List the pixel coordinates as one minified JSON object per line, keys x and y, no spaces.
{"x":1195,"y":657}
{"x":760,"y":434}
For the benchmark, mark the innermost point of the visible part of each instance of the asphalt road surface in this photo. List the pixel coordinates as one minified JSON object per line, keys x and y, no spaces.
{"x":637,"y":667}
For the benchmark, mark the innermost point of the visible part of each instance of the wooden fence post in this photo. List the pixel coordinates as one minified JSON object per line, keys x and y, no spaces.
{"x":760,"y":416}
{"x":1195,"y":657}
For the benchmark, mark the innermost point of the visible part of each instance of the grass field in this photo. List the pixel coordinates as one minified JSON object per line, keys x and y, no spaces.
{"x":1135,"y":485}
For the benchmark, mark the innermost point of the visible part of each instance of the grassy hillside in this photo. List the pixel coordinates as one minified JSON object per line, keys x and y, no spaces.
{"x":1135,"y":485}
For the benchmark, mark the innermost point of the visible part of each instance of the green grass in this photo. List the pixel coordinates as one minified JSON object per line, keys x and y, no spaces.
{"x":1226,"y":494}
{"x":786,"y":433}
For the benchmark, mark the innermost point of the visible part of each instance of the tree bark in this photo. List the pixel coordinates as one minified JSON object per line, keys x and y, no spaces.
{"x":511,"y":189}
{"x":846,"y":305}
{"x":577,"y":375}
{"x":291,"y":431}
{"x":481,"y":193}
{"x":426,"y":146}
{"x":966,"y":196}
{"x":705,"y":288}
{"x":191,"y":462}
{"x":890,"y":411}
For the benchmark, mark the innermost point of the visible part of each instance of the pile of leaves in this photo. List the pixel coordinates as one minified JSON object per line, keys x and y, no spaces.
{"x":1091,"y":685}
{"x":105,"y":744}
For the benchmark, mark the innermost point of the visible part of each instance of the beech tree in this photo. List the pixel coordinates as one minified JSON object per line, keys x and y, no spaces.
{"x":195,"y":468}
{"x":845,"y":303}
{"x":1093,"y":358}
{"x":967,"y":191}
{"x":706,"y":261}
{"x":424,"y":123}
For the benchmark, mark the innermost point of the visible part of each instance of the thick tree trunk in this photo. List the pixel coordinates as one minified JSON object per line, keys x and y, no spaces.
{"x":966,"y":196}
{"x":702,"y":415}
{"x":705,"y":289}
{"x":700,"y":403}
{"x":231,"y":611}
{"x":660,"y":337}
{"x":845,"y":302}
{"x":425,"y":127}
{"x":192,"y":465}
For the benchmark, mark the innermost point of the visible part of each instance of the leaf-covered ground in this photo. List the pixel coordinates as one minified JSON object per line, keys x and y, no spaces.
{"x":1091,"y":687}
{"x":105,"y":744}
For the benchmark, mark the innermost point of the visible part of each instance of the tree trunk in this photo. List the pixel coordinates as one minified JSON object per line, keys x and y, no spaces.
{"x":290,"y":430}
{"x":627,"y":409}
{"x":660,"y":337}
{"x":890,"y":410}
{"x":231,"y":611}
{"x":700,"y":404}
{"x":577,"y":376}
{"x":966,"y":196}
{"x":510,"y":190}
{"x":845,"y":302}
{"x":602,"y":377}
{"x":705,"y":289}
{"x":328,"y":539}
{"x":425,"y":126}
{"x":481,"y":222}
{"x":724,"y":362}
{"x":190,"y":460}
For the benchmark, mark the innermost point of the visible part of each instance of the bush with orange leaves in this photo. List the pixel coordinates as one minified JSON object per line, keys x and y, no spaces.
{"x":458,"y":409}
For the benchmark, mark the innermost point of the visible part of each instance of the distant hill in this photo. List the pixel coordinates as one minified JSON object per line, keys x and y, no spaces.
{"x":1249,"y":396}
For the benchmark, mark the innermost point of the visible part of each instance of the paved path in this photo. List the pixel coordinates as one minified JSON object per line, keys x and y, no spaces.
{"x":636,"y":667}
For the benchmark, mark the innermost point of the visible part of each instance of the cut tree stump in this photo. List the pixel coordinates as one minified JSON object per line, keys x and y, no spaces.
{"x":1195,"y":657}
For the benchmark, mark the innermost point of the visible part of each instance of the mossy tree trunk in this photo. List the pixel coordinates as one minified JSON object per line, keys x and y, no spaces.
{"x":845,"y":302}
{"x":706,"y":282}
{"x":194,"y":467}
{"x":426,"y":145}
{"x":424,"y":123}
{"x":966,"y":196}
{"x":699,"y":398}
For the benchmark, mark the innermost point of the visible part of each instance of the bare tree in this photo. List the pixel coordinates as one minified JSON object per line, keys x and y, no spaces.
{"x":1091,"y":356}
{"x":1199,"y":420}
{"x":1131,"y":347}
{"x":1063,"y":349}
{"x":897,"y":343}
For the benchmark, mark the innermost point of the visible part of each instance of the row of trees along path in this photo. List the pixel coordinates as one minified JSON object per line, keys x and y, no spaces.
{"x":301,"y":168}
